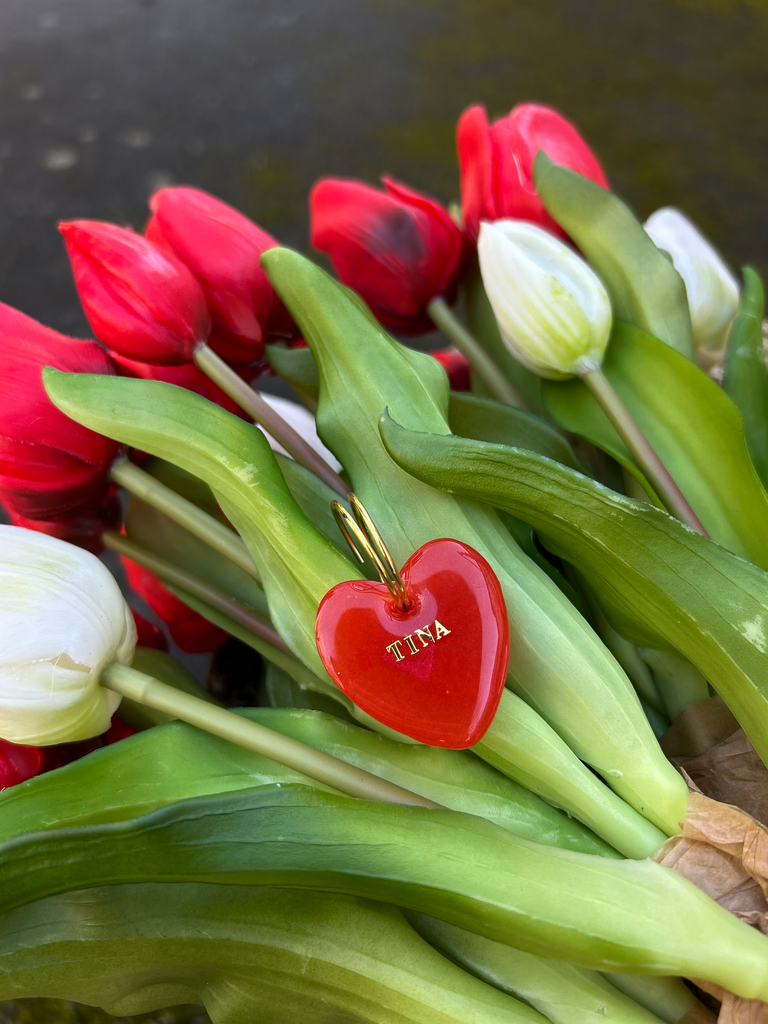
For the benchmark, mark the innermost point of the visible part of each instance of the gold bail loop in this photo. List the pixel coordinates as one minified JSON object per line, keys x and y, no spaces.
{"x":363,"y":529}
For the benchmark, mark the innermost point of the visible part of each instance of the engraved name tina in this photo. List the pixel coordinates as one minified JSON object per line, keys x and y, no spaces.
{"x":424,"y":635}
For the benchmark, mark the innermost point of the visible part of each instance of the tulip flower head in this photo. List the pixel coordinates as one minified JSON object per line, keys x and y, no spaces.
{"x":84,"y":530}
{"x":51,"y":468}
{"x":19,"y":763}
{"x":713,"y":292}
{"x":398,"y":249}
{"x":63,"y":620}
{"x":552,"y":310}
{"x":496,"y":162}
{"x":139,"y":299}
{"x":456,"y":366}
{"x":223,"y":248}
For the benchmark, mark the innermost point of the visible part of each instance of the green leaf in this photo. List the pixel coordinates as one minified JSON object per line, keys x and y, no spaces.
{"x":562,"y":992}
{"x":559,"y":666}
{"x":188,"y":486}
{"x":298,"y":566}
{"x":656,"y":577}
{"x":597,"y":913}
{"x":248,"y":954}
{"x":643,"y":286}
{"x":314,"y":497}
{"x":482,"y":324}
{"x":693,"y":426}
{"x":485,"y":419}
{"x":297,"y":366}
{"x":176,"y":761}
{"x":161,"y":535}
{"x":746,"y":381}
{"x":279,"y":690}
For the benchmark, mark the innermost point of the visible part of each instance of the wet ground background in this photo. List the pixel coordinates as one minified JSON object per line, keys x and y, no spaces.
{"x":101,"y":101}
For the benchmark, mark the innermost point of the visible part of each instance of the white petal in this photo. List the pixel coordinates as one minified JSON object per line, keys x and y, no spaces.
{"x":303,"y":422}
{"x":552,"y":310}
{"x":62,"y":621}
{"x":713,"y":292}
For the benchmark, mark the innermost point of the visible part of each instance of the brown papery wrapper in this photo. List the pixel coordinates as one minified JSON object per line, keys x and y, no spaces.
{"x":723,"y":847}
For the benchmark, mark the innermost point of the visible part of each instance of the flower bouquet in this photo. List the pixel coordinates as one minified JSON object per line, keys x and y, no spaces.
{"x":485,"y":581}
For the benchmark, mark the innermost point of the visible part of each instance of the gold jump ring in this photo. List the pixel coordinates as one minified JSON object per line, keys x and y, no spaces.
{"x":363,"y":529}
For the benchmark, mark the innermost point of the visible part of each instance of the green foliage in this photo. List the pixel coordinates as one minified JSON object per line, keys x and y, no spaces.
{"x":297,"y":366}
{"x":561,"y":991}
{"x":591,"y":911}
{"x":251,"y":955}
{"x":161,"y":535}
{"x":662,"y":584}
{"x":559,"y":666}
{"x":297,"y":564}
{"x":485,"y":419}
{"x":745,"y":375}
{"x":643,"y":286}
{"x":693,"y":426}
{"x":176,"y":762}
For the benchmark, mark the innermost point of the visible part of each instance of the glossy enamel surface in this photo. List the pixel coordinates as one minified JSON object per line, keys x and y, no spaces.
{"x":434,"y":672}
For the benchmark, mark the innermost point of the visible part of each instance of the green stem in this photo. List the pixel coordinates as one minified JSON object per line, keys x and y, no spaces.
{"x":252,"y":403}
{"x":290,"y":753}
{"x":520,"y":744}
{"x":170,"y":573}
{"x":296,"y":669}
{"x":185,"y":513}
{"x":641,"y":450}
{"x":491,"y":375}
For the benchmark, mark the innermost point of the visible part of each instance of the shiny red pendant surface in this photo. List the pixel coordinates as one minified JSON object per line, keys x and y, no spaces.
{"x":434,"y":672}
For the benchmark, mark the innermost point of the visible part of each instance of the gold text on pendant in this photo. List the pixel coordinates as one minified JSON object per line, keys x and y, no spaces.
{"x":424,"y":635}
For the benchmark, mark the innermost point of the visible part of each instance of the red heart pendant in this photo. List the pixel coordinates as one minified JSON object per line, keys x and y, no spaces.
{"x":434,"y":672}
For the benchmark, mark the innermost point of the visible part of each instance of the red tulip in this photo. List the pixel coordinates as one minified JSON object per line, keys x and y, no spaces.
{"x":185,"y":376}
{"x":190,"y":631}
{"x":148,"y":634}
{"x":222,"y":247}
{"x":496,"y":163}
{"x":456,"y":366}
{"x":140,"y":300}
{"x":50,"y":466}
{"x":19,"y":763}
{"x":85,"y":530}
{"x":398,"y":249}
{"x":65,"y":753}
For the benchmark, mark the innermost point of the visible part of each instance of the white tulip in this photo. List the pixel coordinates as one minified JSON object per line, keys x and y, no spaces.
{"x":63,"y":620}
{"x":553,"y":312}
{"x":713,"y":292}
{"x":303,"y":422}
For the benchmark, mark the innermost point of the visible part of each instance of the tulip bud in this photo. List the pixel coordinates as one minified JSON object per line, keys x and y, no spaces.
{"x":189,"y":630}
{"x":713,"y":292}
{"x":496,"y":163}
{"x":51,"y":468}
{"x":223,"y":248}
{"x":456,"y":366}
{"x":552,"y":310}
{"x":63,"y":620}
{"x":139,"y":299}
{"x":398,"y":249}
